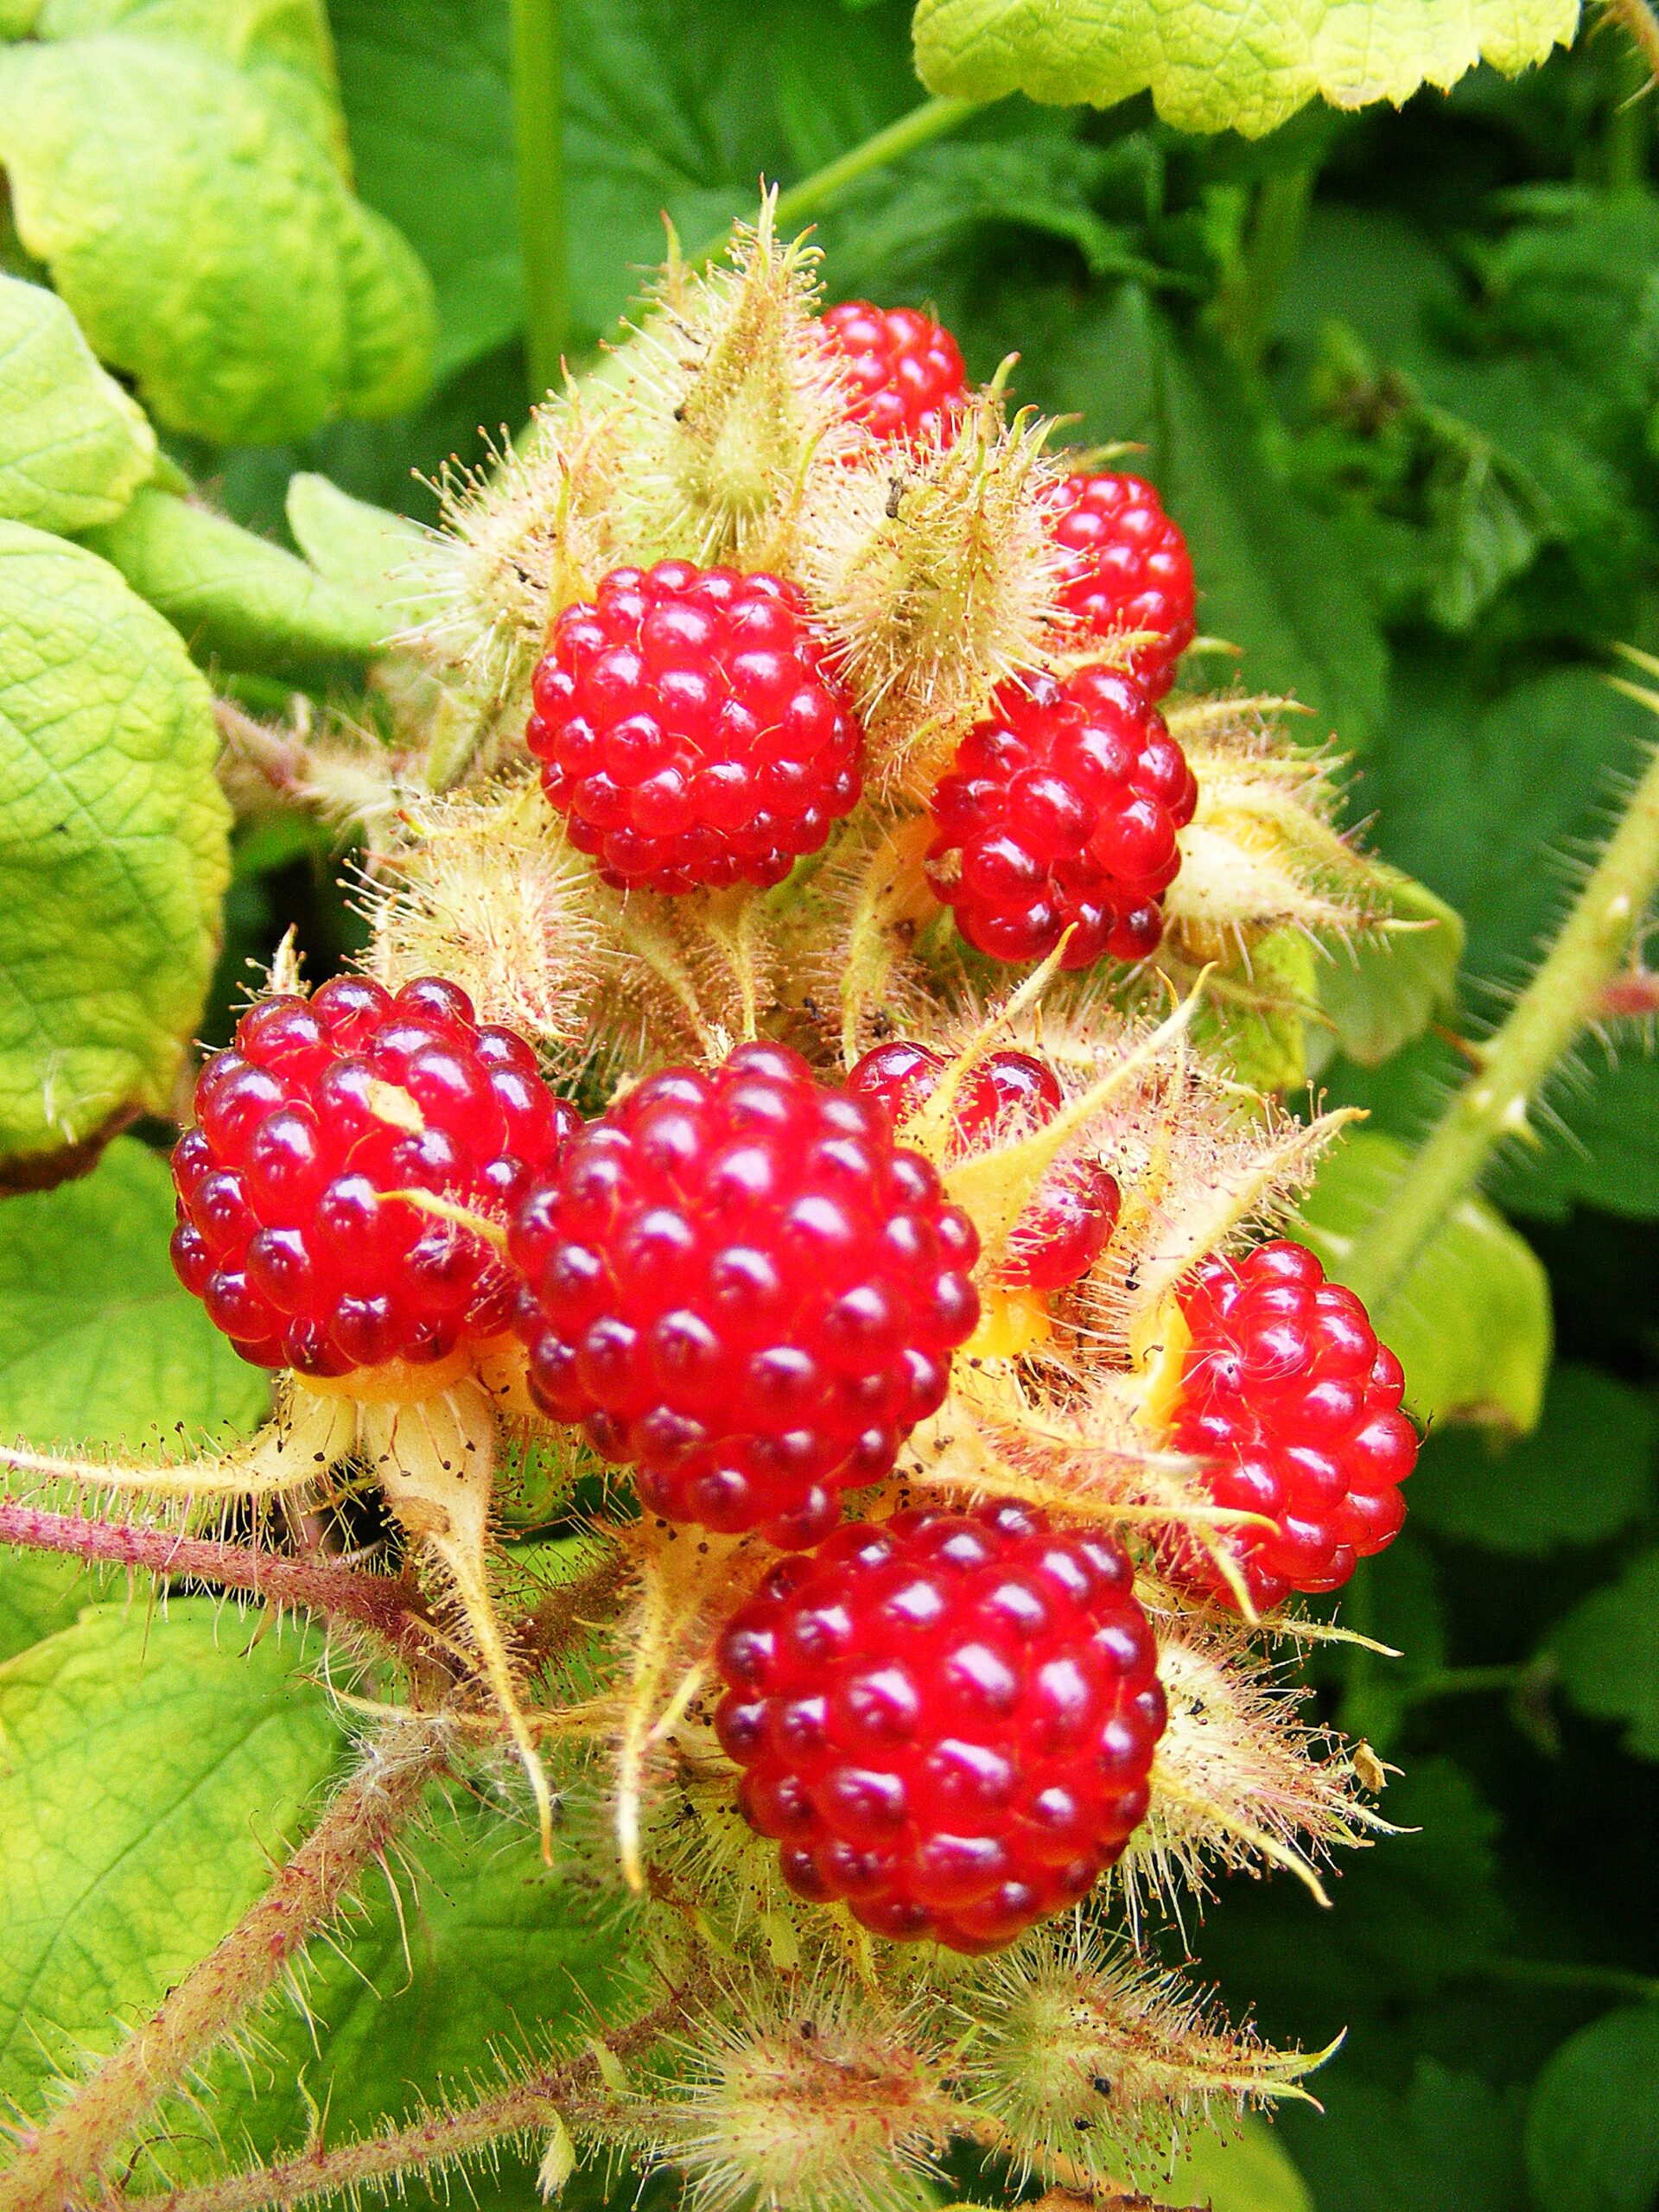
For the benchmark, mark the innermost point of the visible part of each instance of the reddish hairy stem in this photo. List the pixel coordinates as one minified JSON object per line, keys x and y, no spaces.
{"x":570,"y":2090}
{"x":57,"y":2159}
{"x":391,"y":1608}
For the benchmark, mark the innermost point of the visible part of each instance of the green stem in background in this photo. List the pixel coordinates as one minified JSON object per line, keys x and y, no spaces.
{"x":1545,"y":1023}
{"x":1243,"y":308}
{"x":538,"y":140}
{"x":934,"y":118}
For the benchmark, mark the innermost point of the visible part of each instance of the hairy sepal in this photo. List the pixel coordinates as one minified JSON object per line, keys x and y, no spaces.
{"x":1083,"y":2052}
{"x":484,"y":888}
{"x":1261,"y":852}
{"x":934,"y":573}
{"x":730,"y":399}
{"x":823,"y":2102}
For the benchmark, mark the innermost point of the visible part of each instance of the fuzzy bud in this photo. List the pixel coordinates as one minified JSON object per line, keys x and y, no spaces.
{"x":731,"y":394}
{"x":936,"y":574}
{"x":486,"y":890}
{"x":519,"y":541}
{"x":824,"y":2110}
{"x":1240,"y":1780}
{"x":1084,"y":2054}
{"x":1261,"y":852}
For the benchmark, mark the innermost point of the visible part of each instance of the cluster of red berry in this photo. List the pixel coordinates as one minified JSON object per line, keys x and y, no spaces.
{"x":743,"y":1284}
{"x":747,"y":1285}
{"x":695,"y":732}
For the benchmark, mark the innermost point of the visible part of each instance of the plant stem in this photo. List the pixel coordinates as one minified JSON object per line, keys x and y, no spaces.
{"x":1244,"y":307}
{"x":934,"y":118}
{"x":538,"y":140}
{"x":571,"y":2091}
{"x":57,"y":2159}
{"x":1545,"y":1021}
{"x":392,"y":1610}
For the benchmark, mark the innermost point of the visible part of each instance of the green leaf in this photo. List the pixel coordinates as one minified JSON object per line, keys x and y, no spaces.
{"x":1475,"y":798}
{"x":887,"y":238}
{"x":364,"y":550}
{"x":113,"y":846}
{"x":206,"y":241}
{"x":233,"y":598}
{"x":1592,"y":2119}
{"x":40,"y":1594}
{"x":1380,"y":991}
{"x":427,"y":93}
{"x":285,"y":43}
{"x":1273,"y":574}
{"x":1471,"y":1324}
{"x":1251,"y":2171}
{"x":1225,"y":65}
{"x":489,"y":1948}
{"x":73,"y":445}
{"x":99,"y":1342}
{"x":1451,"y":2144}
{"x":1608,"y":1651}
{"x":153,"y":1770}
{"x":1585,"y":1473}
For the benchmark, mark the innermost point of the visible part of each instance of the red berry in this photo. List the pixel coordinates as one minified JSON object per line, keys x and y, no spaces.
{"x":320,"y":1108}
{"x":1069,"y":1224}
{"x":946,"y":1719}
{"x":1060,"y":811}
{"x":1295,"y":1406}
{"x":905,"y":369}
{"x":688,"y":726}
{"x":1125,"y":568}
{"x":738,"y":1282}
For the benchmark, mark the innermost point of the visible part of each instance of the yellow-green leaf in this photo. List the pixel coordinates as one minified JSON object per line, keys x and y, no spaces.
{"x":1226,"y":64}
{"x":153,"y":1770}
{"x":1471,"y":1324}
{"x":114,"y":852}
{"x":72,"y":445}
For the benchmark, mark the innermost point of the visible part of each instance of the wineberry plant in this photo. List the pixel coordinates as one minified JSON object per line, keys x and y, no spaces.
{"x":791,"y":1152}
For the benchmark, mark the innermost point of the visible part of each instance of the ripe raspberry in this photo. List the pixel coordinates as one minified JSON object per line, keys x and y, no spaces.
{"x":1295,"y":1405}
{"x":1006,"y":1095}
{"x":1061,"y":811}
{"x":1127,"y":568}
{"x":741,"y":1284}
{"x":318,"y":1109}
{"x":689,"y":727}
{"x":946,"y":1719}
{"x":905,"y":368}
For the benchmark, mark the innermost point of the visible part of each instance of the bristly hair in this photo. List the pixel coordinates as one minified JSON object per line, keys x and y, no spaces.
{"x":732,"y":400}
{"x":484,"y":887}
{"x":519,"y":540}
{"x":805,"y":2100}
{"x":1084,"y":2053}
{"x":937,"y":578}
{"x":1240,"y":1779}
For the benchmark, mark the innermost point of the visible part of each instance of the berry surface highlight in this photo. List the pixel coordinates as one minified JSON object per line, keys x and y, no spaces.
{"x":905,"y":370}
{"x":946,"y":1720}
{"x":1005,"y":1094}
{"x":1061,"y":812}
{"x":320,"y":1111}
{"x":1126,"y":569}
{"x":738,"y":1284}
{"x":689,"y":730}
{"x":1295,"y":1408}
